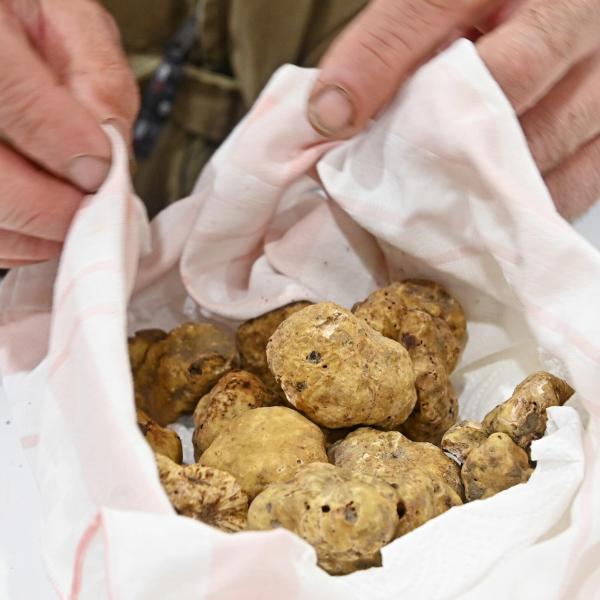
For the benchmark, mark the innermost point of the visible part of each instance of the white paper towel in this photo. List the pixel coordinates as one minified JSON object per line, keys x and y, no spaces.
{"x":440,"y":186}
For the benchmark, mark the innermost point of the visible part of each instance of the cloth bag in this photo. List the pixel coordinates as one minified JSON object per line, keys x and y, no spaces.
{"x":440,"y":186}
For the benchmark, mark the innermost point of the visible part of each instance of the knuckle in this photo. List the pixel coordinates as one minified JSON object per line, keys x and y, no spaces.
{"x":443,"y":6}
{"x":378,"y":45}
{"x":455,"y":10}
{"x":563,"y":121}
{"x":546,"y":147}
{"x":118,"y":89}
{"x":578,"y":123}
{"x":111,"y":26}
{"x":551,"y":31}
{"x":575,"y":185}
{"x":100,"y":22}
{"x":518,"y":67}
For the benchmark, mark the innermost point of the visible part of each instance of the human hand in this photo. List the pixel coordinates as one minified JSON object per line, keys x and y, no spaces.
{"x":545,"y":54}
{"x":63,"y":74}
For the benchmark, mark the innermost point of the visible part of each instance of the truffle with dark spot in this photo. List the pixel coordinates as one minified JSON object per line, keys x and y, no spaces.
{"x":369,"y":379}
{"x":179,"y":369}
{"x":347,"y":517}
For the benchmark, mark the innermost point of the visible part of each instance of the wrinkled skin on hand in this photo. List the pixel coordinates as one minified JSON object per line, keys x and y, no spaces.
{"x":493,"y":466}
{"x":523,"y":416}
{"x":67,"y":76}
{"x":265,"y":445}
{"x":160,"y":439}
{"x":251,"y":341}
{"x":339,"y":372}
{"x":431,"y":325}
{"x":544,"y":54}
{"x":460,"y":439}
{"x":427,"y":482}
{"x":181,"y":368}
{"x":235,"y":393}
{"x":346,"y":517}
{"x":208,"y":495}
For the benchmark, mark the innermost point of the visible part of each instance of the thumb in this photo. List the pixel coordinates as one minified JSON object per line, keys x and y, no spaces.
{"x":90,"y":62}
{"x":366,"y":65}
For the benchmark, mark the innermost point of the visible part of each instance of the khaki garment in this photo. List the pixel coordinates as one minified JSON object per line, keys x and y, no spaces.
{"x":242,"y":42}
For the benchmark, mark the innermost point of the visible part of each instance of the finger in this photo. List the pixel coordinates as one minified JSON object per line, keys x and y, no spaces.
{"x":575,"y":185}
{"x":499,"y":16}
{"x":42,"y":119}
{"x":377,"y":52}
{"x":567,"y":118}
{"x":535,"y":49}
{"x":16,"y":248}
{"x":13,"y":264}
{"x":90,"y":61}
{"x":33,"y":202}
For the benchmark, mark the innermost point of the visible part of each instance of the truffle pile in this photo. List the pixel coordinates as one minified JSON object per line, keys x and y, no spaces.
{"x":339,"y":425}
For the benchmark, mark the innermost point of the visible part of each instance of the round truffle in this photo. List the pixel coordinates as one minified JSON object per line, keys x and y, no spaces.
{"x":251,"y":340}
{"x":339,"y":372}
{"x":494,"y":465}
{"x":265,"y":445}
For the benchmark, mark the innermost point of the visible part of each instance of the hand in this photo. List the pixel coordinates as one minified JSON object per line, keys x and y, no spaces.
{"x":546,"y":58}
{"x":63,"y":74}
{"x":545,"y":54}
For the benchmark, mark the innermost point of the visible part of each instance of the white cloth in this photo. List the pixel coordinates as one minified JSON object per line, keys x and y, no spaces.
{"x":440,"y":186}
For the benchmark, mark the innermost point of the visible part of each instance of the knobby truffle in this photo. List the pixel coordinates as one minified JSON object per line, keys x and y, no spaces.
{"x":179,"y":369}
{"x":339,"y":372}
{"x":346,"y":517}
{"x":235,"y":393}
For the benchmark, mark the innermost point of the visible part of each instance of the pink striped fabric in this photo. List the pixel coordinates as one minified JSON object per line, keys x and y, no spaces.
{"x":441,"y":186}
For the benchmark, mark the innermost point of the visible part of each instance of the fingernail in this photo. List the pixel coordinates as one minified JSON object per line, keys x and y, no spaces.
{"x":331,"y":110}
{"x":88,"y":172}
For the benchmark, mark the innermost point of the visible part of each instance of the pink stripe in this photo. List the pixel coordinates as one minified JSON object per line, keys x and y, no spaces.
{"x":106,"y":265}
{"x":82,"y":547}
{"x":107,"y":310}
{"x":29,"y":441}
{"x":109,"y":579}
{"x":54,"y":584}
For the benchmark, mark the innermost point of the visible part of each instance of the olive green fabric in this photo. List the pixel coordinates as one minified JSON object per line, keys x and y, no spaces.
{"x":242,"y":42}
